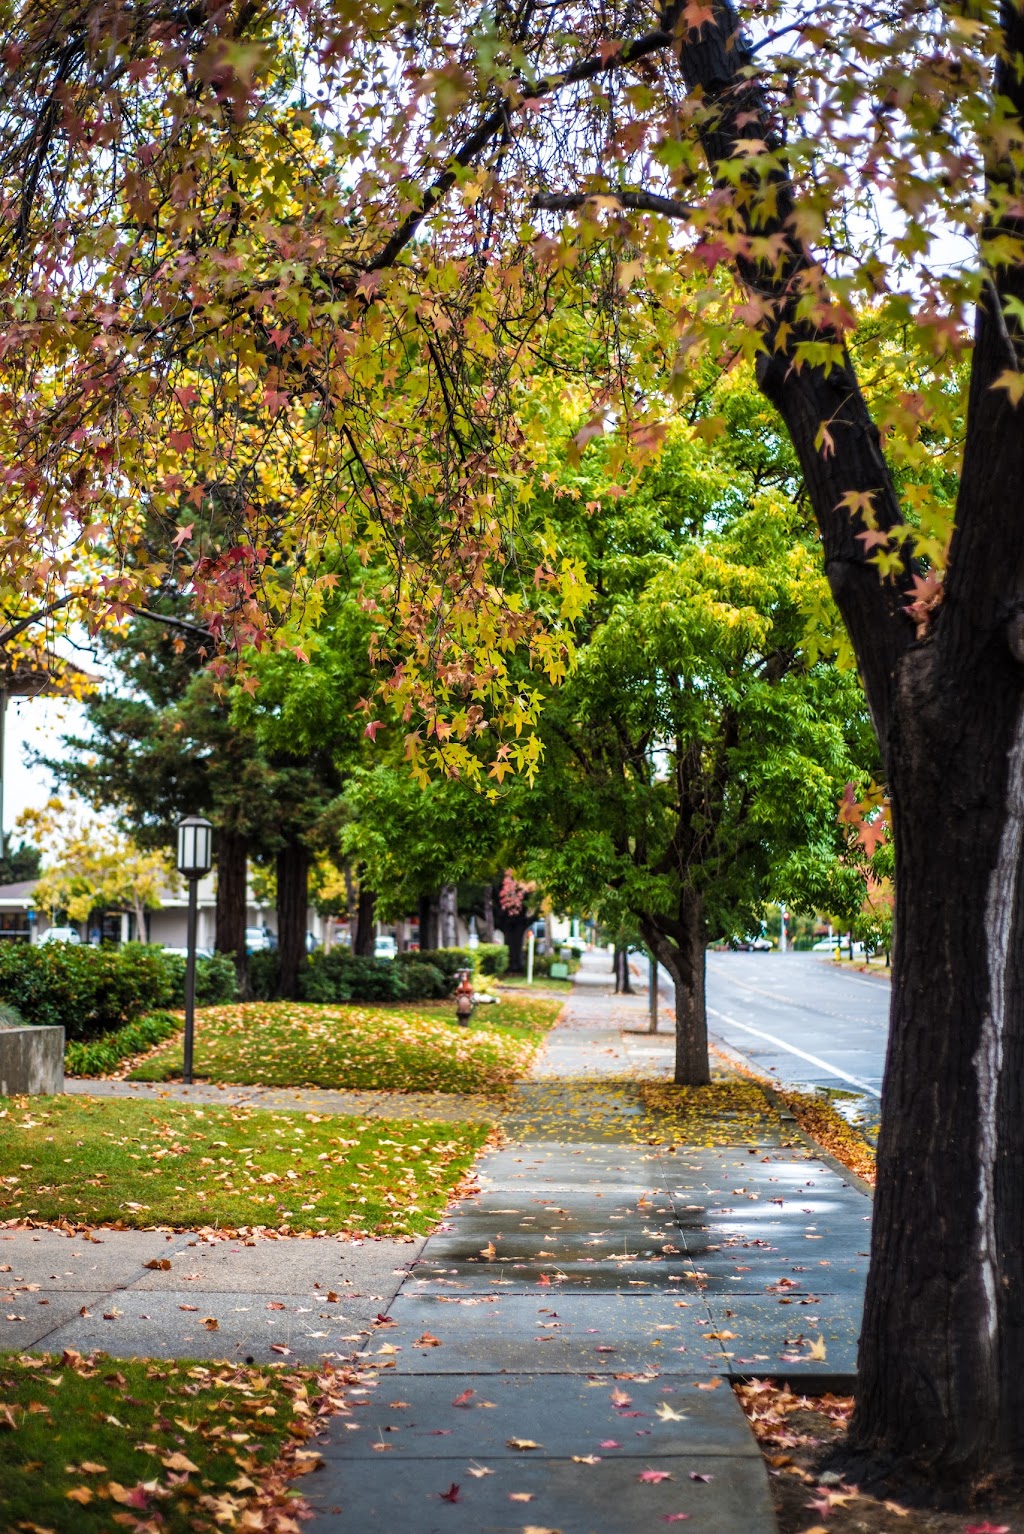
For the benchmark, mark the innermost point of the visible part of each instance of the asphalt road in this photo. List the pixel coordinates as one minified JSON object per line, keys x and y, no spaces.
{"x":800,"y":1018}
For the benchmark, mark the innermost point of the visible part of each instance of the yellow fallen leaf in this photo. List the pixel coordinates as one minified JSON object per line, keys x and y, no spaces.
{"x":521,"y":1443}
{"x":817,"y":1350}
{"x":520,"y":1496}
{"x":80,"y":1494}
{"x":666,"y":1414}
{"x":89,"y":1467}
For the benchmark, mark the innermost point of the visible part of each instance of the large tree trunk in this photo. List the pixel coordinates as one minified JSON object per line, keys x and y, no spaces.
{"x":449,"y":911}
{"x":942,"y":1349}
{"x":685,"y":961}
{"x":232,"y":868}
{"x":365,"y":939}
{"x":429,"y":917}
{"x":292,"y":907}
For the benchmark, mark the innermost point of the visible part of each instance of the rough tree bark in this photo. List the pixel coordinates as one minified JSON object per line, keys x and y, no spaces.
{"x":364,"y":940}
{"x":448,"y":913}
{"x":941,"y":1367}
{"x":292,"y":906}
{"x":232,"y":866}
{"x":684,"y":958}
{"x":429,"y":915}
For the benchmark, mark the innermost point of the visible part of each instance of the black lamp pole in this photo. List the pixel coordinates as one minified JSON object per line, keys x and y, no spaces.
{"x":190,"y":977}
{"x":194,"y":860}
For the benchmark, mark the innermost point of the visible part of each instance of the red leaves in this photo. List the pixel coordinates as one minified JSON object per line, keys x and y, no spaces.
{"x":452,"y":1494}
{"x":464,"y":1398}
{"x":654,"y":1477}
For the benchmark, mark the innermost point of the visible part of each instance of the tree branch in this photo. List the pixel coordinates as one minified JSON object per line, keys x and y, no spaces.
{"x":632,"y":202}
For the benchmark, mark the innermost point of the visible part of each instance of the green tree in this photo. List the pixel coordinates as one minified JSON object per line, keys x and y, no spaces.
{"x":694,"y":760}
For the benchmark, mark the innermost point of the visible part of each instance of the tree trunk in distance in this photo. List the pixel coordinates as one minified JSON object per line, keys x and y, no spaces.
{"x":365,"y":939}
{"x":686,"y":963}
{"x":292,"y":905}
{"x":428,"y":922}
{"x":448,"y":903}
{"x":488,"y":916}
{"x":141,"y":935}
{"x":515,"y":929}
{"x":232,"y":870}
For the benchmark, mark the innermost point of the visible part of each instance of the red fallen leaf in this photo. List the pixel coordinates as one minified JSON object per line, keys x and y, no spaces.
{"x":609,"y":1443}
{"x":604,"y":1348}
{"x":427,"y":1341}
{"x":275,"y":1305}
{"x":620,"y":1398}
{"x":652,"y":1477}
{"x":451,"y":1495}
{"x":279,"y":1347}
{"x":544,"y":1281}
{"x":695,"y":1475}
{"x":463,"y":1399}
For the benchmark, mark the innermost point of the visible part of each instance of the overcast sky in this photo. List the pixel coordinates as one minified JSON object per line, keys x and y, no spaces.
{"x":39,"y":724}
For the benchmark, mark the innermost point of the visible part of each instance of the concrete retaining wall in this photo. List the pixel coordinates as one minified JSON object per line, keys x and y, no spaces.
{"x":31,"y":1061}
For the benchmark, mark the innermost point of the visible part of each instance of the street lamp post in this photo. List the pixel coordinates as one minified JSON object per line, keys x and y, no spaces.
{"x":195,"y":838}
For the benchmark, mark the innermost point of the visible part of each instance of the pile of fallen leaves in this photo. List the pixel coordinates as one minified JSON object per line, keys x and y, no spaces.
{"x":104,"y":1160}
{"x":292,"y":1044}
{"x":93,"y":1444}
{"x":827,"y":1127}
{"x":798,"y":1434}
{"x":727,"y":1112}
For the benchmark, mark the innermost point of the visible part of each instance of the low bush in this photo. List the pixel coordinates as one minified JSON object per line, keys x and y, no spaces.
{"x":216,"y":979}
{"x":448,"y":960}
{"x":84,"y":990}
{"x":264,"y":971}
{"x":96,"y":1057}
{"x":10,"y":1017}
{"x":492,"y":959}
{"x":341,"y":976}
{"x":424,"y":982}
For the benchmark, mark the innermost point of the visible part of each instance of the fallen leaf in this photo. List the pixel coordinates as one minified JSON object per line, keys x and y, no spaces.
{"x":463,"y":1399}
{"x":620,"y":1398}
{"x":178,"y":1461}
{"x":188,"y":1307}
{"x":332,"y":1298}
{"x":451,"y":1495}
{"x":211,"y":1323}
{"x":80,"y":1494}
{"x":275,"y":1305}
{"x":665,"y":1413}
{"x":652,"y":1477}
{"x":710,"y":1385}
{"x":535,"y":1528}
{"x":586,"y":1459}
{"x":490,"y":1251}
{"x":609,"y":1443}
{"x":279,"y":1347}
{"x":88,"y":1467}
{"x":111,"y":1315}
{"x":158,"y":1264}
{"x":520,"y":1496}
{"x":817,"y":1350}
{"x":521,"y":1443}
{"x":695,"y":1475}
{"x":479,"y":1471}
{"x":427,"y":1341}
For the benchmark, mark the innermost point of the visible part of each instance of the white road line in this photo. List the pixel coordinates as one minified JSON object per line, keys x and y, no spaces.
{"x":772,"y":1038}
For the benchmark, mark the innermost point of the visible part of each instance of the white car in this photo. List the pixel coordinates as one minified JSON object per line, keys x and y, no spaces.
{"x":830,"y":944}
{"x":61,"y":935}
{"x":385,"y":948}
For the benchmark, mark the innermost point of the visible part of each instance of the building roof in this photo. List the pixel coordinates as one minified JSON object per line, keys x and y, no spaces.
{"x":17,"y":894}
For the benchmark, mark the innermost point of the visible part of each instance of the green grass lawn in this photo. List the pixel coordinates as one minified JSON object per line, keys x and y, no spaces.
{"x":543,"y":983}
{"x":94,"y":1444}
{"x":108,"y":1161}
{"x":390,"y":1048}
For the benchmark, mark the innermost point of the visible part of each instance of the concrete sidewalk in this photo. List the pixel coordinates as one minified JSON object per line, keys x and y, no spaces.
{"x":566,"y":1338}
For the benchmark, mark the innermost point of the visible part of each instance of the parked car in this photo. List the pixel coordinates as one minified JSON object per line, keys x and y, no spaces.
{"x":385,"y":948}
{"x":61,"y":935}
{"x":830,"y":944}
{"x":259,"y":939}
{"x":201,"y":953}
{"x":758,"y":944}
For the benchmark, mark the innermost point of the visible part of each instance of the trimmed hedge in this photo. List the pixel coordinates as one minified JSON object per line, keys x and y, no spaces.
{"x":84,"y":990}
{"x":95,"y":1057}
{"x":264,"y":971}
{"x":216,"y":979}
{"x":448,"y":960}
{"x":341,"y":976}
{"x":491,"y":958}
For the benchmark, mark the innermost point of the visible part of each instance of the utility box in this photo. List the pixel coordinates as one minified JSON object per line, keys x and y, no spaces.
{"x":559,"y":971}
{"x":31,"y":1061}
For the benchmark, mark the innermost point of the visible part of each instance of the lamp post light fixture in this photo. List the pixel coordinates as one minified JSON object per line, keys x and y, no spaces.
{"x":195,"y":859}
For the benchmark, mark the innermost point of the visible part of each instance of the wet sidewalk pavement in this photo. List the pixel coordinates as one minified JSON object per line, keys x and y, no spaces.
{"x":560,"y":1357}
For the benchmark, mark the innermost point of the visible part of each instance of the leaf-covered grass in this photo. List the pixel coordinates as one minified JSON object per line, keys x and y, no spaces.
{"x":543,"y":984}
{"x":400,"y":1048}
{"x":110,"y":1161}
{"x":94,"y":1444}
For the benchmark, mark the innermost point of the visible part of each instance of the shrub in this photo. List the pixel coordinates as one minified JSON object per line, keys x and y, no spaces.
{"x":343,"y":976}
{"x":423,"y":982}
{"x":448,"y":960}
{"x":84,"y":990}
{"x":492,"y":958}
{"x":264,"y":971}
{"x":95,"y":1057}
{"x":216,"y":979}
{"x":10,"y":1017}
